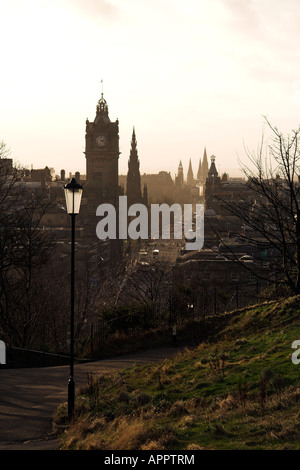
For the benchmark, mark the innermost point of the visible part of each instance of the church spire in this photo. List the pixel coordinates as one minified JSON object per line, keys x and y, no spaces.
{"x":204,"y":166}
{"x":190,"y":175}
{"x":133,"y":143}
{"x":199,"y":174}
{"x":134,"y":193}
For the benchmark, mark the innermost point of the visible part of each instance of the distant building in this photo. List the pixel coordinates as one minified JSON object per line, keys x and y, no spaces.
{"x":231,"y":284}
{"x":160,"y":187}
{"x":41,"y":176}
{"x":156,"y":188}
{"x":222,"y":190}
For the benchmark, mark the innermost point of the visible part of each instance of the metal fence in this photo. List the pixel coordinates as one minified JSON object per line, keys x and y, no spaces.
{"x":208,"y":302}
{"x":22,"y":358}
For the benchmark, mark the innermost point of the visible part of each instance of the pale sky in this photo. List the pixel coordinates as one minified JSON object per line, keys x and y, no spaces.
{"x":188,"y":74}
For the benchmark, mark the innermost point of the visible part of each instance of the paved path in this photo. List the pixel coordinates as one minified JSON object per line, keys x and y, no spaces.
{"x":29,"y":397}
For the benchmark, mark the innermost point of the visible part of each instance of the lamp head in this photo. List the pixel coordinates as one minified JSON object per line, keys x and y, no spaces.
{"x":73,"y":193}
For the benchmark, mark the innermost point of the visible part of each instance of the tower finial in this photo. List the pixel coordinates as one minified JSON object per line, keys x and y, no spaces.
{"x":102,"y":88}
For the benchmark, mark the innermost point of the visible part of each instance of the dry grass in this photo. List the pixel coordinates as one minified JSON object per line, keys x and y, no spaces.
{"x":130,"y":434}
{"x":140,"y":434}
{"x":218,"y":395}
{"x":124,"y":433}
{"x":194,"y":447}
{"x":152,"y":445}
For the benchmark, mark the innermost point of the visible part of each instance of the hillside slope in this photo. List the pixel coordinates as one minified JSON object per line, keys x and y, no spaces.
{"x":237,"y":390}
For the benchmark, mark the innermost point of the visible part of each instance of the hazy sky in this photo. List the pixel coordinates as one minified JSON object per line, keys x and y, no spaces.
{"x":187,"y":74}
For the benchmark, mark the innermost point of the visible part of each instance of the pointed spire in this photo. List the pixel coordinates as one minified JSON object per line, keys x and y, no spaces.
{"x":190,"y":175}
{"x":134,"y":192}
{"x":199,"y":173}
{"x":204,"y":166}
{"x":133,"y":140}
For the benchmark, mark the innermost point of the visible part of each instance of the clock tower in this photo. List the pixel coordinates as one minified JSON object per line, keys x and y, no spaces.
{"x":102,"y":155}
{"x":102,"y":186}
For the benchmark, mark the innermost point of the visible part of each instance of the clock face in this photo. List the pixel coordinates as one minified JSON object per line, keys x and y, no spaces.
{"x":100,"y":141}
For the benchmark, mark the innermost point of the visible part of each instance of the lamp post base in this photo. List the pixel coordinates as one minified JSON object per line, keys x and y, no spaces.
{"x":71,"y":397}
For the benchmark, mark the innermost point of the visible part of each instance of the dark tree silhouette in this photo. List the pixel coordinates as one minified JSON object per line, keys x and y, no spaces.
{"x":274,"y":217}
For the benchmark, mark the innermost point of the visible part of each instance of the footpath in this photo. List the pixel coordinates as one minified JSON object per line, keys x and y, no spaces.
{"x":29,"y":397}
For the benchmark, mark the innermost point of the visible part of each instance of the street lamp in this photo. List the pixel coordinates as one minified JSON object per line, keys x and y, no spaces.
{"x":73,"y":193}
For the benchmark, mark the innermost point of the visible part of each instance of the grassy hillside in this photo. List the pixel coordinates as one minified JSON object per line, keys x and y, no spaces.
{"x":237,"y":390}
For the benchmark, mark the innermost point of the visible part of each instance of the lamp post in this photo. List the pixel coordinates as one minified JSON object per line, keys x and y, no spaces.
{"x":73,"y":193}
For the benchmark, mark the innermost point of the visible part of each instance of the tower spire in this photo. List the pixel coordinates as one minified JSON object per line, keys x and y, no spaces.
{"x":199,"y":173}
{"x":204,"y":166}
{"x":134,"y":192}
{"x":190,"y":175}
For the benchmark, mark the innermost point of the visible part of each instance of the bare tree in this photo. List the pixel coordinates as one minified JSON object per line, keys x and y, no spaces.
{"x":274,"y":218}
{"x":23,"y":249}
{"x":149,"y":285}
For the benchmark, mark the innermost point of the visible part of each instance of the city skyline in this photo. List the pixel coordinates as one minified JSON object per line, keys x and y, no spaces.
{"x":187,"y":75}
